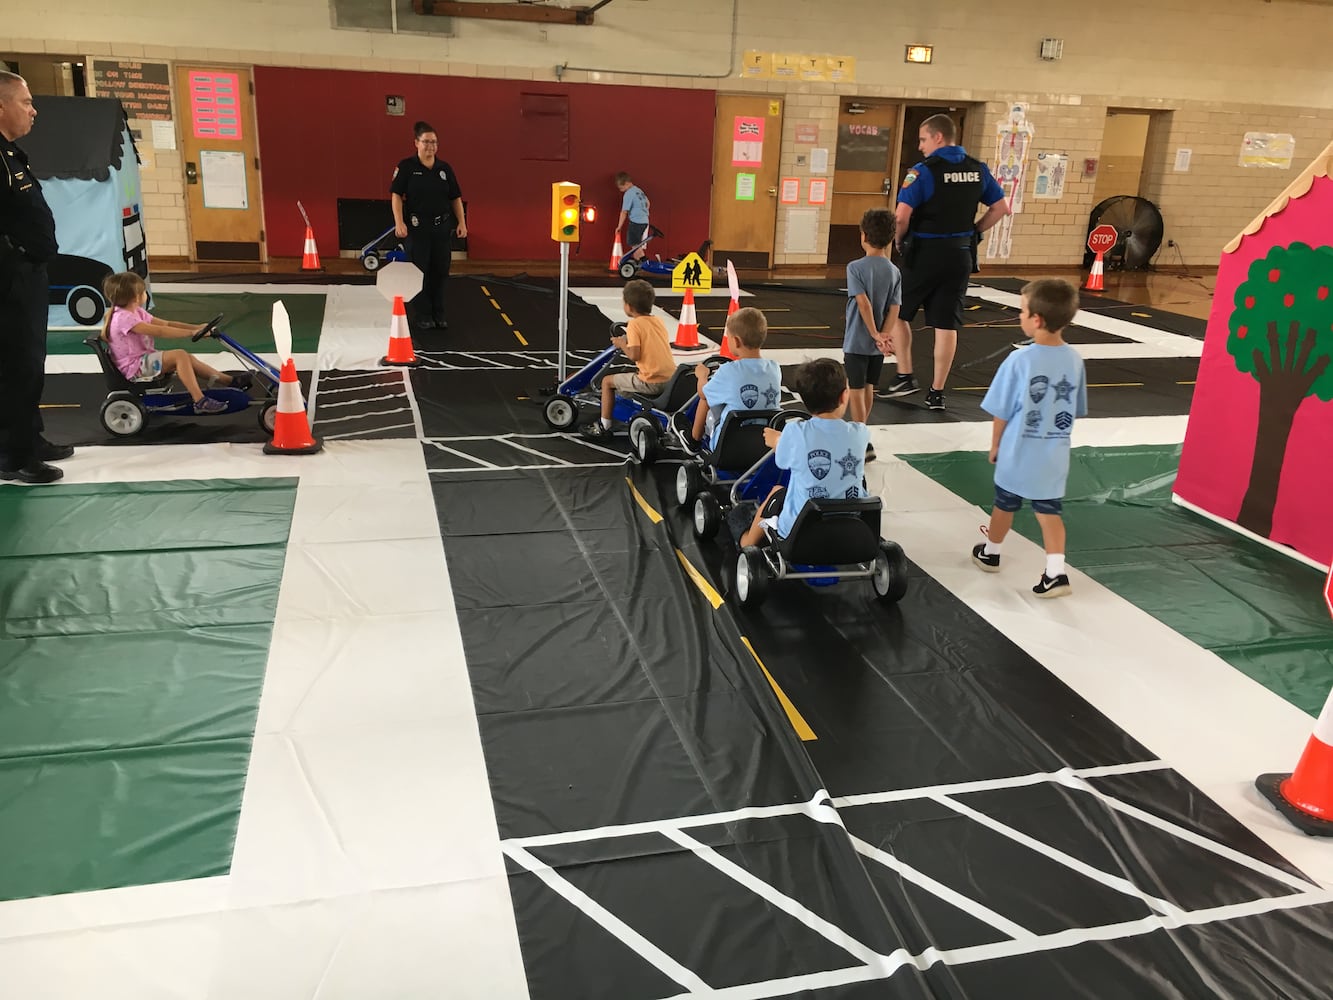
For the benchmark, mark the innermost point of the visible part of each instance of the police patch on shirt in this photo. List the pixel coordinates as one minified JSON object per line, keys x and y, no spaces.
{"x":749,"y":396}
{"x":1032,"y":419}
{"x":771,"y":395}
{"x":910,"y":179}
{"x":1064,"y":389}
{"x":853,"y":493}
{"x":819,"y":462}
{"x":848,"y":464}
{"x":817,"y":493}
{"x":1037,"y":388}
{"x":1064,"y":420}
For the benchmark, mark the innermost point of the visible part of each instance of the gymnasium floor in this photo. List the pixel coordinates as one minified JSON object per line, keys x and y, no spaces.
{"x":457,"y":708}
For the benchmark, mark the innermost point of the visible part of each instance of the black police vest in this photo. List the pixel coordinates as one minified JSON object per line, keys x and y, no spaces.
{"x":953,"y":206}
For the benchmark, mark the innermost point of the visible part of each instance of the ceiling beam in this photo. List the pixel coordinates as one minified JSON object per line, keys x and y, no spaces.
{"x":539,"y":13}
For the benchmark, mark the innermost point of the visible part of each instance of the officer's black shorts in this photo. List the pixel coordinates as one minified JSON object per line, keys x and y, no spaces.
{"x":937,"y":280}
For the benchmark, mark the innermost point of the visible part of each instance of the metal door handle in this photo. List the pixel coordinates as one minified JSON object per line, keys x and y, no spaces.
{"x":191,"y":173}
{"x":773,"y":191}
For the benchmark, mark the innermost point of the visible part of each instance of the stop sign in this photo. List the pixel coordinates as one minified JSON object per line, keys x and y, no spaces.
{"x":1102,"y":238}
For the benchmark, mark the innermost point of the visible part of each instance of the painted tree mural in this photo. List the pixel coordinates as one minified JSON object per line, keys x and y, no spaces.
{"x":1282,"y":336}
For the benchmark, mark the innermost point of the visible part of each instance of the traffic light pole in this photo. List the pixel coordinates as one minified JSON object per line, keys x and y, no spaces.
{"x":564,"y":307}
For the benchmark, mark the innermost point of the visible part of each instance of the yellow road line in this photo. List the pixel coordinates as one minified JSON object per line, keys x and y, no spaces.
{"x":1187,"y":383}
{"x":61,"y":406}
{"x":653,"y":515}
{"x":706,"y":588}
{"x":1113,"y":385}
{"x":798,"y":722}
{"x":1142,"y":315}
{"x":494,"y":303}
{"x":485,"y":291}
{"x":520,"y":338}
{"x":507,"y":320}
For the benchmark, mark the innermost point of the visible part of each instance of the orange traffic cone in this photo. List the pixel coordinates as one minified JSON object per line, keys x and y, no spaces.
{"x":400,"y":340}
{"x":726,"y":348}
{"x":291,"y":429}
{"x":617,"y":252}
{"x":1095,"y":275}
{"x":310,"y":258}
{"x":687,"y":333}
{"x":1305,"y":796}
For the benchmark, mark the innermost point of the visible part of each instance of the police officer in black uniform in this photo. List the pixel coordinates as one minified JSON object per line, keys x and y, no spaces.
{"x":937,"y":233}
{"x":27,"y":243}
{"x":427,"y":206}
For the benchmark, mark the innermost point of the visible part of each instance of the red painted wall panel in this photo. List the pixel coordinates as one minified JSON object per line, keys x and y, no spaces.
{"x":323,"y":135}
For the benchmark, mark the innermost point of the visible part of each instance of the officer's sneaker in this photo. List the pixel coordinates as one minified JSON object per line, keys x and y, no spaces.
{"x":903,"y":385}
{"x":987,"y":562}
{"x":683,"y":430}
{"x":207,"y":404}
{"x":935,"y":399}
{"x":1048,"y":587}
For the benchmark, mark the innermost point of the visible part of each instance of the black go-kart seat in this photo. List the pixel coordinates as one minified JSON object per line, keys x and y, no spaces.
{"x":678,"y":390}
{"x":831,"y":532}
{"x":116,"y":380}
{"x":740,"y":439}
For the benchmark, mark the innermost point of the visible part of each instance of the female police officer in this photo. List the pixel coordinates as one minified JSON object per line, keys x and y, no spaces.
{"x":427,"y":205}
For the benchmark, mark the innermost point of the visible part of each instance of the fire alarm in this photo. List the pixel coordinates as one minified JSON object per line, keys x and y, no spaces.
{"x":1090,"y":168}
{"x":395,"y":104}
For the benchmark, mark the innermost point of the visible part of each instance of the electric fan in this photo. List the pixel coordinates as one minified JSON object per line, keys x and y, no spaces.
{"x":1140,"y":226}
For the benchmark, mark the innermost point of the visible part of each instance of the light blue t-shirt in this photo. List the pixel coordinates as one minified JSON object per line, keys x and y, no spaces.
{"x":826,"y":457}
{"x":882,"y":283}
{"x":635,"y":203}
{"x":745,"y":383}
{"x":1039,"y":390}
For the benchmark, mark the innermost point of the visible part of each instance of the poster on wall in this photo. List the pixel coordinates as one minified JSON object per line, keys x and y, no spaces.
{"x":757,"y":65}
{"x":1267,"y":149}
{"x":222,"y":174}
{"x":747,"y":142}
{"x":745,"y":187}
{"x":802,"y":230}
{"x":1013,"y":139}
{"x":818,"y":191}
{"x":1052,"y":169}
{"x":791,"y":190}
{"x":863,"y":147}
{"x":143,"y":89}
{"x":807,"y":133}
{"x":841,"y":69}
{"x":215,"y":105}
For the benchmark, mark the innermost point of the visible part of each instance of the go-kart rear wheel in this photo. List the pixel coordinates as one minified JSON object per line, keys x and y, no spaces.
{"x":890,"y":579}
{"x":643,"y":435}
{"x":707,"y":516}
{"x":751,"y":577}
{"x":123,"y":415}
{"x":689,"y":481}
{"x":371,"y":262}
{"x":629,"y":269}
{"x":268,"y":417}
{"x":561,"y":413}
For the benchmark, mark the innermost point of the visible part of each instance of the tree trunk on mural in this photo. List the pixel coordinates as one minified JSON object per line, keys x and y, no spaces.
{"x":1283,"y":385}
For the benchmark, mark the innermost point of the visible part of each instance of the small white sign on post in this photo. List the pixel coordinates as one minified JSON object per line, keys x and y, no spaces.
{"x":401,"y":277}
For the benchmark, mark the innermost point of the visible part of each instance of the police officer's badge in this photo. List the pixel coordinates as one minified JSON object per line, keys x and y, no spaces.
{"x":1032,"y":419}
{"x":820,"y":462}
{"x":749,"y":396}
{"x":771,"y":395}
{"x":442,"y":176}
{"x":1037,"y":388}
{"x":1064,"y":420}
{"x":848,"y":464}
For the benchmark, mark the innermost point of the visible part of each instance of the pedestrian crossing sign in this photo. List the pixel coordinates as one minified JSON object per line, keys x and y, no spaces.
{"x":692,"y":273}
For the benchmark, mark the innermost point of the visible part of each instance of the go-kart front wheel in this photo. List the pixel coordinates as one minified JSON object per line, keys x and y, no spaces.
{"x":123,"y":415}
{"x":629,"y":269}
{"x":371,"y":262}
{"x":643,"y":439}
{"x":751,"y":577}
{"x":707,"y":516}
{"x":268,"y":417}
{"x":689,"y":481}
{"x":890,"y":578}
{"x":561,"y":413}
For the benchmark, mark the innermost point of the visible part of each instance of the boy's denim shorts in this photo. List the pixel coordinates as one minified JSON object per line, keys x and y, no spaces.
{"x":1010,"y":502}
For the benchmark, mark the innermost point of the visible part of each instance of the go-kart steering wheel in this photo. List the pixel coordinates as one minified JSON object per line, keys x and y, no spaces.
{"x":784,"y":417}
{"x":713,"y":363}
{"x":209,"y":329}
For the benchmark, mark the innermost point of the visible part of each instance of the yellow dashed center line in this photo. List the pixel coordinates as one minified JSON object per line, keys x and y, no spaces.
{"x":496,"y":304}
{"x":520,"y":338}
{"x":507,"y":320}
{"x":485,"y":291}
{"x":706,"y":588}
{"x":653,"y":515}
{"x":797,"y":720}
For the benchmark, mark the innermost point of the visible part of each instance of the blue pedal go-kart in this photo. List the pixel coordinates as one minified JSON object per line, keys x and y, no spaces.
{"x":647,"y":417}
{"x":374,"y":255}
{"x":706,"y":482}
{"x":130,"y":402}
{"x":833,"y":540}
{"x":630,"y":266}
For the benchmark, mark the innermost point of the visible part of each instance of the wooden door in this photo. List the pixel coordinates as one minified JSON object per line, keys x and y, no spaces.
{"x":862,"y":172}
{"x":215,"y":108}
{"x":747,"y":139}
{"x":1120,"y":169}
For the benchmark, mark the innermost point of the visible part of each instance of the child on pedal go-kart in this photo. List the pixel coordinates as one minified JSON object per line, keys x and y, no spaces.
{"x":825,"y":455}
{"x":646,"y":344}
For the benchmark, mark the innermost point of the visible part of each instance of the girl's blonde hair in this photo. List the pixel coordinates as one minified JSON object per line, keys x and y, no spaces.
{"x":122,"y":291}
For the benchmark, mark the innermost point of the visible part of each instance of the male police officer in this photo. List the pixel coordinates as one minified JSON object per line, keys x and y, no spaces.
{"x":27,"y":242}
{"x":936,"y":215}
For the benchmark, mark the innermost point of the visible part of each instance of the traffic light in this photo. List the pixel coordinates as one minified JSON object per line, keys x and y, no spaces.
{"x":565,"y":212}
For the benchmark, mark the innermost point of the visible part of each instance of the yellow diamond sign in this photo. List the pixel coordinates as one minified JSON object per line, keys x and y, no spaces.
{"x":692,"y":273}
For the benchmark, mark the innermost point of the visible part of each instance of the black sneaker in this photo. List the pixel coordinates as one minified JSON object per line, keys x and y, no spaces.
{"x":988,"y":563}
{"x":870,"y":453}
{"x":241,"y":380}
{"x":935,"y":399}
{"x":1047,"y":587}
{"x":34,"y":474}
{"x":903,"y":385}
{"x":682,"y":427}
{"x":595,"y":431}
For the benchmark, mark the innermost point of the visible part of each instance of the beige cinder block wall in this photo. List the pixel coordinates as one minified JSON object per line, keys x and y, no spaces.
{"x":1213,"y":72}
